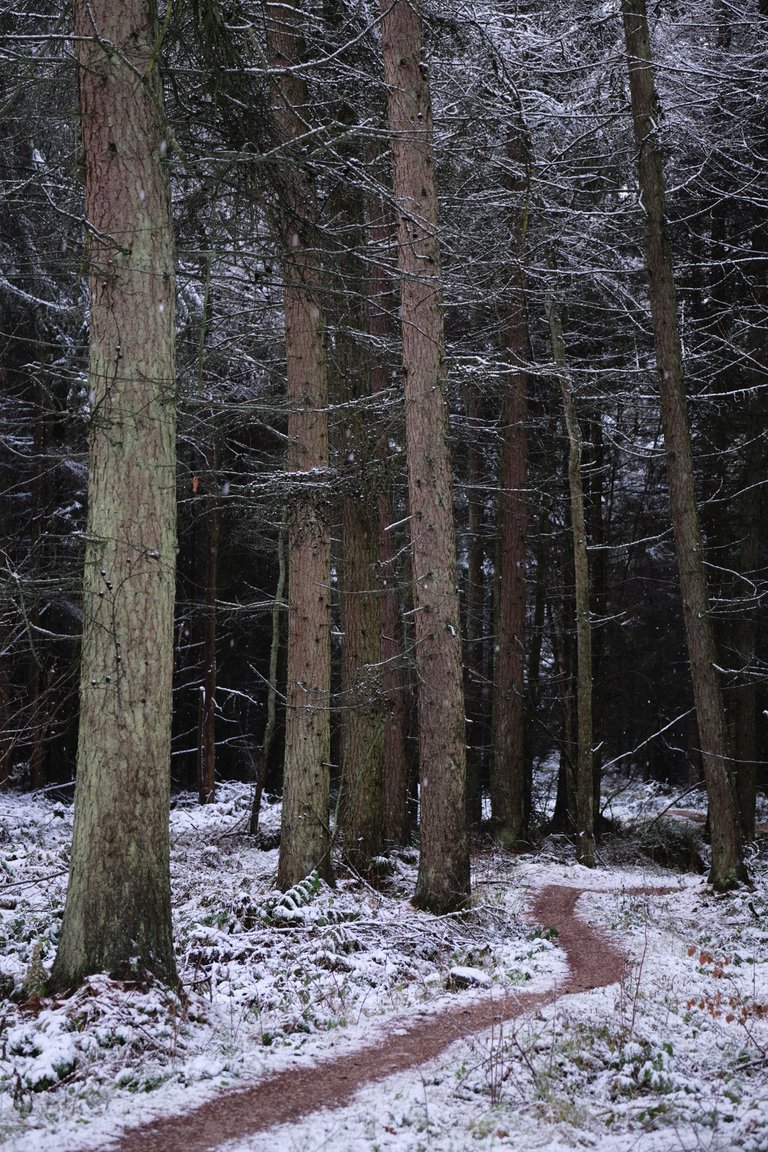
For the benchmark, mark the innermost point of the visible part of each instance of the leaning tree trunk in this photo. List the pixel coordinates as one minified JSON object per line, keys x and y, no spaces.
{"x":305,"y":842}
{"x":727,"y":862}
{"x":118,"y":914}
{"x":443,"y":880}
{"x":585,"y":790}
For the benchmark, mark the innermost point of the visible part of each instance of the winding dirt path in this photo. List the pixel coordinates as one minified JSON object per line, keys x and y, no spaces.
{"x":293,"y":1093}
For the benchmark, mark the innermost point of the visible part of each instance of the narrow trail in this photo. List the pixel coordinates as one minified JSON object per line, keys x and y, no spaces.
{"x":289,"y":1095}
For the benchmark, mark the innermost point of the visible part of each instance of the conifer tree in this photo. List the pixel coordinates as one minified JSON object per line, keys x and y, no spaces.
{"x":118,"y":914}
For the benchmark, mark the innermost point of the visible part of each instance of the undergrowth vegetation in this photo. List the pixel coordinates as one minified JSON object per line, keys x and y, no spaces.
{"x":678,"y":1050}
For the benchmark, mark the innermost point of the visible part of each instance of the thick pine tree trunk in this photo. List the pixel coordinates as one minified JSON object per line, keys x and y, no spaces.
{"x":118,"y":916}
{"x":361,"y":812}
{"x":305,"y":842}
{"x":362,"y":706}
{"x":727,"y":862}
{"x":443,"y":880}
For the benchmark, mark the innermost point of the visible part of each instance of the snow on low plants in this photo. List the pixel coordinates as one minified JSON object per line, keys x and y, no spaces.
{"x":674,"y":1057}
{"x":266,"y":976}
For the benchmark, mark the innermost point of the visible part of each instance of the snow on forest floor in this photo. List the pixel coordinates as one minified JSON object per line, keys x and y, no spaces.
{"x":675,"y":1057}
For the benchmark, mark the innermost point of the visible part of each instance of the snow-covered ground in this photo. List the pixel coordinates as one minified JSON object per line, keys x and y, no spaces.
{"x":676,"y":1057}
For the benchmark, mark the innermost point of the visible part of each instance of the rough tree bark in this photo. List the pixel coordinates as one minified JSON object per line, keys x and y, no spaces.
{"x":118,"y":915}
{"x":381,"y":302}
{"x":443,"y":879}
{"x":362,"y":700}
{"x":361,"y":811}
{"x":305,"y":842}
{"x":727,"y":862}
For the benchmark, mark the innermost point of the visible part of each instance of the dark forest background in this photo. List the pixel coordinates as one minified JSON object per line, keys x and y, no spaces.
{"x":553,"y":74}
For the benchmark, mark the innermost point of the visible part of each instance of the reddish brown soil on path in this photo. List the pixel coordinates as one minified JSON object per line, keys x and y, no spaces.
{"x":294,"y":1093}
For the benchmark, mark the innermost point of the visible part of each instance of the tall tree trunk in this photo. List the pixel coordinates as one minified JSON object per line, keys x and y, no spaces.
{"x":397,"y":793}
{"x":206,"y":769}
{"x":564,"y":817}
{"x":207,"y":773}
{"x":361,"y":812}
{"x":727,"y":862}
{"x":38,"y":709}
{"x":542,"y":561}
{"x":510,"y":785}
{"x":39,"y":670}
{"x":362,"y":706}
{"x":118,"y":914}
{"x":598,"y":573}
{"x":443,"y":880}
{"x":749,"y":510}
{"x":274,"y":658}
{"x":749,"y":513}
{"x":6,"y":734}
{"x":585,"y":785}
{"x":305,"y":842}
{"x":361,"y":808}
{"x":510,"y":801}
{"x":381,"y":301}
{"x":474,"y":598}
